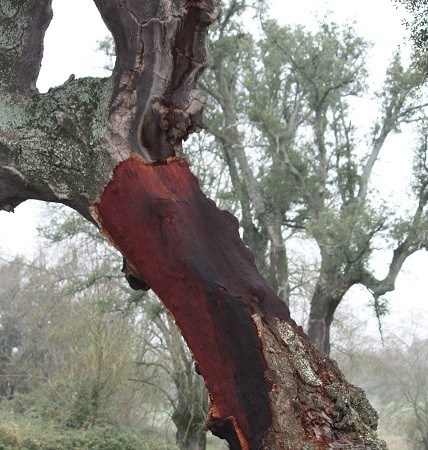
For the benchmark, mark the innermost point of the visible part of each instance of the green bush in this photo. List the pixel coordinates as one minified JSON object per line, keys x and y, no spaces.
{"x":19,"y":434}
{"x":32,"y":422}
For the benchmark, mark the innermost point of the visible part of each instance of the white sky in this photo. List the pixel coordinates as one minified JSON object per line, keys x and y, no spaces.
{"x":70,"y":46}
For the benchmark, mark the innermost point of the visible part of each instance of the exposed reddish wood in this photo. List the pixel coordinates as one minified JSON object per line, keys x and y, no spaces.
{"x":270,"y":388}
{"x":168,"y":230}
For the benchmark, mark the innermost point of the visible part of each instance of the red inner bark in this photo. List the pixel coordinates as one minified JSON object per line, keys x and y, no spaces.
{"x":191,"y":255}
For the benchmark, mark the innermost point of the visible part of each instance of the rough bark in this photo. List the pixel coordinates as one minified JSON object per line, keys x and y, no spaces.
{"x":324,"y":302}
{"x":263,"y":376}
{"x":111,"y":150}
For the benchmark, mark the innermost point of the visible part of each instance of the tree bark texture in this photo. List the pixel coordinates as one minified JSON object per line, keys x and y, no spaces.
{"x":332,"y":284}
{"x":111,"y":149}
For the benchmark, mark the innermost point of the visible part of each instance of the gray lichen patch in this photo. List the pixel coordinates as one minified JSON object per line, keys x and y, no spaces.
{"x":286,"y":427}
{"x":23,"y":25}
{"x":357,"y":415}
{"x":352,"y":400}
{"x":299,"y":356}
{"x":359,"y":402}
{"x":13,"y":115}
{"x":58,"y":140}
{"x":13,"y":26}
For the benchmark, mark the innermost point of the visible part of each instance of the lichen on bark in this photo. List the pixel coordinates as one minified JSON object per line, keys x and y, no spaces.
{"x":297,"y":350}
{"x":57,"y":141}
{"x":23,"y":25}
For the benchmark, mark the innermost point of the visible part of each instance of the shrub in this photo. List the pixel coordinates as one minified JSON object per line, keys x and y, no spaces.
{"x":21,"y":435}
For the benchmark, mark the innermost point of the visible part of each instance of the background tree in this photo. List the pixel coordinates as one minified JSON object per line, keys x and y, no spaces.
{"x":281,"y":119}
{"x":418,"y":26}
{"x":165,"y":365}
{"x":394,"y":375}
{"x":91,"y":349}
{"x":10,"y":333}
{"x":404,"y":389}
{"x":169,"y":358}
{"x":71,"y":337}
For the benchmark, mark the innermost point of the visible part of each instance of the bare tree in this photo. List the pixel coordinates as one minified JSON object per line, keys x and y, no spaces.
{"x":394,"y":375}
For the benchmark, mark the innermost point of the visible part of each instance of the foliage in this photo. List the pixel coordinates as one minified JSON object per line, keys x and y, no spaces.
{"x":106,"y":46}
{"x":403,"y":369}
{"x":75,"y":349}
{"x":418,"y":26}
{"x":86,"y":348}
{"x":20,"y":432}
{"x":280,"y":118}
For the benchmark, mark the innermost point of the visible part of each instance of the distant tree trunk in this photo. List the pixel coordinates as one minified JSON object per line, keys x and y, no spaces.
{"x":190,"y":438}
{"x":7,"y":387}
{"x":111,"y":149}
{"x":332,"y":285}
{"x":321,"y":315}
{"x":194,"y":441}
{"x":234,"y":149}
{"x":191,"y":400}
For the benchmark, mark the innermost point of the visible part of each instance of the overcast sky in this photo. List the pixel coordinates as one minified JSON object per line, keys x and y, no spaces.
{"x":70,"y":45}
{"x":72,"y":37}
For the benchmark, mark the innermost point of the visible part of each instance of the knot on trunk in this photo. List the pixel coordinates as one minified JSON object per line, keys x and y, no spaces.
{"x":135,"y":281}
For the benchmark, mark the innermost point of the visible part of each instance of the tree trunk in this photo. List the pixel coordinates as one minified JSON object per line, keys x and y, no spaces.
{"x":319,"y":324}
{"x":278,"y":270}
{"x":323,"y":306}
{"x":191,"y":438}
{"x":111,"y":150}
{"x":278,"y":266}
{"x":330,"y":288}
{"x":268,"y":386}
{"x":191,"y":399}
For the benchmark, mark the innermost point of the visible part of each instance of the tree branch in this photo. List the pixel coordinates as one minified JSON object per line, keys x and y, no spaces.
{"x":23,"y":24}
{"x":410,"y":245}
{"x":52,"y":146}
{"x":399,"y":107}
{"x":161,"y":50}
